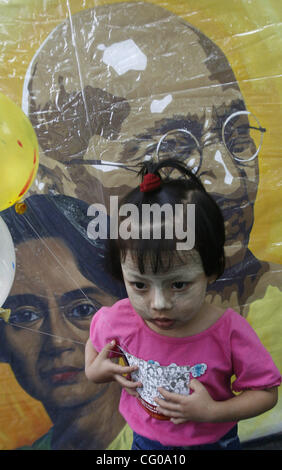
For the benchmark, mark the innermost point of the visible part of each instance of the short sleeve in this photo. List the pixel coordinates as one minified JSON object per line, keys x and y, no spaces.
{"x":252,"y":364}
{"x":97,"y":330}
{"x":100,"y":332}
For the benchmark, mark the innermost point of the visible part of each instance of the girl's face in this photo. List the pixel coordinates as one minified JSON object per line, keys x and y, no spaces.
{"x":167,"y":301}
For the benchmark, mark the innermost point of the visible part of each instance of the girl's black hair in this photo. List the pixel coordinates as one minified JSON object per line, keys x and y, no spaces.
{"x":159,"y":253}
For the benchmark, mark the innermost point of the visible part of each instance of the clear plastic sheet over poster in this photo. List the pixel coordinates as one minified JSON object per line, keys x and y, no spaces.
{"x":101,"y":83}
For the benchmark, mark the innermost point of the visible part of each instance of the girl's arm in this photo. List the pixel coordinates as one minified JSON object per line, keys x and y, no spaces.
{"x":99,"y":368}
{"x":200,"y":406}
{"x":248,"y":404}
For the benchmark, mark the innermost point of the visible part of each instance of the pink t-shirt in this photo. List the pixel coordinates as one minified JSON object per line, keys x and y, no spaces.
{"x":228,"y":347}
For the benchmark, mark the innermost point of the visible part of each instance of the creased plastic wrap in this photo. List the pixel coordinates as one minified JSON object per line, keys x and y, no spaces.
{"x":102,"y":82}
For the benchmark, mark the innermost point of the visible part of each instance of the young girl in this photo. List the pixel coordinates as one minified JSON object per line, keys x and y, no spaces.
{"x":186,"y":357}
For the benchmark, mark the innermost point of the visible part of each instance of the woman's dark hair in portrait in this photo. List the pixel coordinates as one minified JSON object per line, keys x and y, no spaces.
{"x":66,"y":218}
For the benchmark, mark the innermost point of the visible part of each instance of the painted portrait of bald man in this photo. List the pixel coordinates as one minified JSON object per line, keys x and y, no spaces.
{"x":109,"y":83}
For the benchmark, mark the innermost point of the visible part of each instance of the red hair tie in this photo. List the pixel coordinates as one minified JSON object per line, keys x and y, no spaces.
{"x":150,"y":182}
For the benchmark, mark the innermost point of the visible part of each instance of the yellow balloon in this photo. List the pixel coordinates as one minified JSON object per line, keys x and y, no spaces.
{"x":19,"y":154}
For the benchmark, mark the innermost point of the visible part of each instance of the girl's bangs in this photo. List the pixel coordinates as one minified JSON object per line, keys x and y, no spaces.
{"x":152,"y":255}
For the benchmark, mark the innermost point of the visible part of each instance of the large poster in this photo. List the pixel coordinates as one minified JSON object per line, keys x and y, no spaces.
{"x":102,"y":82}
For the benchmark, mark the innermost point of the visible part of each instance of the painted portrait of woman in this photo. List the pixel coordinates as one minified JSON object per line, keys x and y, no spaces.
{"x":60,"y":283}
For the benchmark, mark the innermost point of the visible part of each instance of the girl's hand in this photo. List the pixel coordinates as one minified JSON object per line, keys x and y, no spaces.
{"x":200,"y":406}
{"x":181,"y":408}
{"x":103,"y":369}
